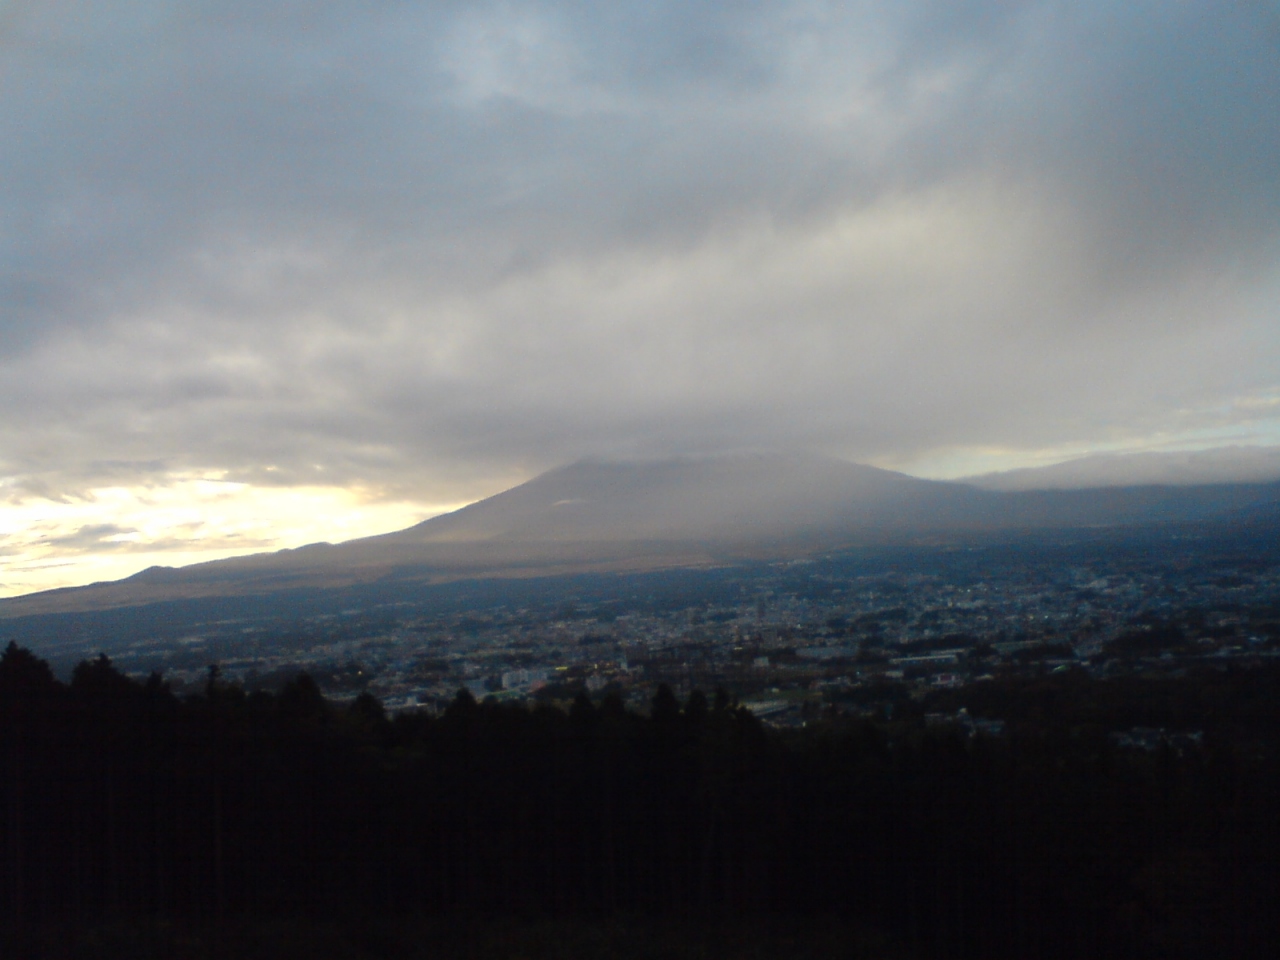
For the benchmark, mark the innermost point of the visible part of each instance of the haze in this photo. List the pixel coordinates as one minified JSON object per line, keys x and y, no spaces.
{"x":307,"y":271}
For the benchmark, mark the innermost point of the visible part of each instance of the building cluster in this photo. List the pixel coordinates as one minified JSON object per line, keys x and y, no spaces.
{"x":788,"y":641}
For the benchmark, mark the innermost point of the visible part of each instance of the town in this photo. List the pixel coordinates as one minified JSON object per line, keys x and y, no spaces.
{"x":791,"y":641}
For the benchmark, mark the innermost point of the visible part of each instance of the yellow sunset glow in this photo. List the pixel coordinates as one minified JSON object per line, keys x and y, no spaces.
{"x":113,"y":532}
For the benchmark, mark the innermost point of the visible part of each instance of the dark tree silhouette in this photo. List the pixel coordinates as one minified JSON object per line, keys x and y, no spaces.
{"x":665,"y":708}
{"x":23,"y":674}
{"x":301,"y":699}
{"x":696,"y":708}
{"x":123,"y":803}
{"x":99,"y":681}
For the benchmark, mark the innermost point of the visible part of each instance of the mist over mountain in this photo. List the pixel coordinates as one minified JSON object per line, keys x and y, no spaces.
{"x":1235,"y":464}
{"x":597,"y":516}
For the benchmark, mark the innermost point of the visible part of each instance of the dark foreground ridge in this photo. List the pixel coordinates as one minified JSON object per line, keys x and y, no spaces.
{"x":275,"y":824}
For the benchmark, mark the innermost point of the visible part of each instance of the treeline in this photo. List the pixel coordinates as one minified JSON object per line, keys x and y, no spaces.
{"x":122,"y":801}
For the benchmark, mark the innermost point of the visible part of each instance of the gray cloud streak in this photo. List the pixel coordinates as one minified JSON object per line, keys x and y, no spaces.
{"x":434,"y":246}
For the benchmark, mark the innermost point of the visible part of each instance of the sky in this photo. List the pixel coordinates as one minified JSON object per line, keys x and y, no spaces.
{"x":275,"y":273}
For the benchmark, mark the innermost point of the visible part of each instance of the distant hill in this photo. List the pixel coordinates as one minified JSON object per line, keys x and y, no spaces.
{"x":1238,"y":464}
{"x":595,"y":516}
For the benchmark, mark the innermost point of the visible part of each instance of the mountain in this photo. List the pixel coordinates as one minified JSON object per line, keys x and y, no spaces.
{"x":606,"y":516}
{"x":722,"y":499}
{"x":1237,"y":464}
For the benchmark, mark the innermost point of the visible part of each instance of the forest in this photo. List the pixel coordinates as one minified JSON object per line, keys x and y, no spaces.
{"x":226,"y":823}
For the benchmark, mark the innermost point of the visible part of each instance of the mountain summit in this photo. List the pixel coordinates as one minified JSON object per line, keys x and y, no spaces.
{"x":723,"y":499}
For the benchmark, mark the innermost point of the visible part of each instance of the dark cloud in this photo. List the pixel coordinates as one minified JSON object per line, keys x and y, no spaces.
{"x":100,"y":538}
{"x":91,"y":537}
{"x":433,"y":246}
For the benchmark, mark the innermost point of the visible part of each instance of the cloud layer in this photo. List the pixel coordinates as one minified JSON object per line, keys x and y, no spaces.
{"x":430,"y":248}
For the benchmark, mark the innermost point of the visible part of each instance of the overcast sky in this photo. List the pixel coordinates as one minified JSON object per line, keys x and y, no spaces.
{"x":273,"y":272}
